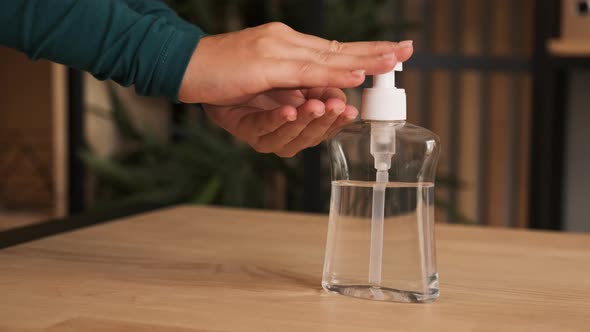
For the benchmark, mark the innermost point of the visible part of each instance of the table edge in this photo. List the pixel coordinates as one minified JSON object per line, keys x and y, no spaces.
{"x":43,"y":229}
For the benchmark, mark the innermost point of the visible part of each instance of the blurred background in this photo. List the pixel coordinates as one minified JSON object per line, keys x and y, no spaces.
{"x":503,"y":83}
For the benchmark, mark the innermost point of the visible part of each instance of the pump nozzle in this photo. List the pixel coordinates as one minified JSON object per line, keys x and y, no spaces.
{"x":384,"y":102}
{"x":386,"y":80}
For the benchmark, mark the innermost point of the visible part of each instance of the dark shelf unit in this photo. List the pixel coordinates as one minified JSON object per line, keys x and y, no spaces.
{"x":549,"y":119}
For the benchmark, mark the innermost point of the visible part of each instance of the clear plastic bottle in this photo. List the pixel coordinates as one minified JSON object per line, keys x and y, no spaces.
{"x":381,"y":231}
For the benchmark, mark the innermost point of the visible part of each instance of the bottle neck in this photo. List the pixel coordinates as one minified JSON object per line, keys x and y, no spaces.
{"x":393,"y":122}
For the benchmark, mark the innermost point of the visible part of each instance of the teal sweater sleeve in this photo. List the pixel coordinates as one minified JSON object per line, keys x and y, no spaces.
{"x":160,"y":9}
{"x":140,"y":42}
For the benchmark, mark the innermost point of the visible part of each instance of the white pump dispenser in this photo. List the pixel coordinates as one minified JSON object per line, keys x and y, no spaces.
{"x":383,"y":104}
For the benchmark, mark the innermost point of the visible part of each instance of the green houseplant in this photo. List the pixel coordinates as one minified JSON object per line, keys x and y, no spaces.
{"x":206,"y":167}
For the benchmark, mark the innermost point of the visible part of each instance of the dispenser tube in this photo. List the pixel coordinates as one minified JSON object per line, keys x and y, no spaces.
{"x":382,"y":149}
{"x":377,"y":220}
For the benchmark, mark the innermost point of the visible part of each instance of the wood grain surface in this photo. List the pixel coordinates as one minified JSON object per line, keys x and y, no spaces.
{"x":209,"y":269}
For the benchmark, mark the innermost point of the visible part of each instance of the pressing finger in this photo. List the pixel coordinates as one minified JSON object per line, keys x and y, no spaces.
{"x":405,"y":50}
{"x":354,"y":48}
{"x":376,"y":63}
{"x":300,"y":74}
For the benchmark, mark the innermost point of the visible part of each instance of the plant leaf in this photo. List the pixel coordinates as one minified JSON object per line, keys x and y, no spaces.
{"x":121,"y":118}
{"x":209,"y":191}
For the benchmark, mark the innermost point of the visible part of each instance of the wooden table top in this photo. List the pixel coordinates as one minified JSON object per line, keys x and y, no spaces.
{"x":210,"y":269}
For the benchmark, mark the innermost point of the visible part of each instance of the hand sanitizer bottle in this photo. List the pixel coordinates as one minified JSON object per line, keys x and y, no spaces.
{"x":381,"y":231}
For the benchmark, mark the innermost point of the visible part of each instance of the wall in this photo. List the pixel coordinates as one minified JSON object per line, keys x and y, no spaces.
{"x":32,"y":134}
{"x":482,"y":114}
{"x":148,"y":114}
{"x":577,"y":181}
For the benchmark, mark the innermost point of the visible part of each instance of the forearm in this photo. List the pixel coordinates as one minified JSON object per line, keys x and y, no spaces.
{"x":106,"y":37}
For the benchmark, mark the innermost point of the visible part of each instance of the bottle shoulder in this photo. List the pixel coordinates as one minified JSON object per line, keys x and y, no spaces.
{"x":403,"y":129}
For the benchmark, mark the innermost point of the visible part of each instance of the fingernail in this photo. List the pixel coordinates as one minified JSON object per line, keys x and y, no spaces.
{"x":351,"y":117}
{"x":338,"y":110}
{"x":319,"y":113}
{"x":291,"y":117}
{"x":406,"y":43}
{"x":359,"y":72}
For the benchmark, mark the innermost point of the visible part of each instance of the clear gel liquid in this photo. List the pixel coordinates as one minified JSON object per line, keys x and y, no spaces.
{"x":408,"y":263}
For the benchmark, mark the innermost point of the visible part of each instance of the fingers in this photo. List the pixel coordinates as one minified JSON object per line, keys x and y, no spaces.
{"x":404,"y":51}
{"x":355,"y":48}
{"x":376,"y":63}
{"x":287,"y":130}
{"x":305,"y":67}
{"x":251,"y":126}
{"x":375,"y":57}
{"x":324,"y":94}
{"x":315,"y":131}
{"x":316,"y":122}
{"x":299,"y":74}
{"x":350,"y":113}
{"x":275,"y":141}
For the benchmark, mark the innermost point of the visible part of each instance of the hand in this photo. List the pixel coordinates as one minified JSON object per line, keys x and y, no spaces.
{"x":285,"y":121}
{"x":272,"y":81}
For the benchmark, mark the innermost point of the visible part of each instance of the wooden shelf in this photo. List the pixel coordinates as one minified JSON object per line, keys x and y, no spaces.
{"x":569,"y":47}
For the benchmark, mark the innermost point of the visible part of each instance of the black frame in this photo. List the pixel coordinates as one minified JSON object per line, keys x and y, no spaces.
{"x":312,"y":200}
{"x":76,"y":142}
